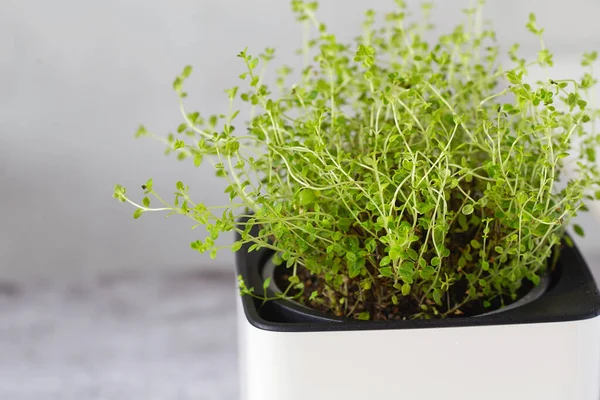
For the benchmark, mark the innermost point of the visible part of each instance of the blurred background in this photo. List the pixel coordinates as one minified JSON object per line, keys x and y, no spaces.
{"x":95,"y":305}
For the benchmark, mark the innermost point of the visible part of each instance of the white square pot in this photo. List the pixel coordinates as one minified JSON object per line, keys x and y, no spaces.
{"x":548,"y":349}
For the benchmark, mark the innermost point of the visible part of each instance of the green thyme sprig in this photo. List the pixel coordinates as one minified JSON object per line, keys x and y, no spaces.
{"x":410,"y":179}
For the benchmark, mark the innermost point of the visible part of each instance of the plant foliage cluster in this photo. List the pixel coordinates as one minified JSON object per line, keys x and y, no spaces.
{"x":402,"y":178}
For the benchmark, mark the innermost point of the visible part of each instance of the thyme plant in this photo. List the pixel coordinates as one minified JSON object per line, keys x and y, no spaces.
{"x":396,"y":178}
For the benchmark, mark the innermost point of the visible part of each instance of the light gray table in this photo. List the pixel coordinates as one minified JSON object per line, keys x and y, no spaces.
{"x":142,"y":335}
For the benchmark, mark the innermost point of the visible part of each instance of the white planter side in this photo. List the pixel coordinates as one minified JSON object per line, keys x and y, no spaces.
{"x":548,"y":361}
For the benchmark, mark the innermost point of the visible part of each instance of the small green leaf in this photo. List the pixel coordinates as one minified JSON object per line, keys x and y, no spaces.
{"x":119,"y":193}
{"x":499,"y":249}
{"x":355,"y":268}
{"x":406,"y":276}
{"x":141,"y":131}
{"x":137,"y":213}
{"x":475,"y":244}
{"x":351,"y":256}
{"x":306,"y":197}
{"x":364,"y":316}
{"x":148,"y":185}
{"x":407,"y":266}
{"x":427,"y":272}
{"x":412,"y":254}
{"x":313,"y":295}
{"x":578,"y":230}
{"x":232,"y":92}
{"x":177,"y":84}
{"x":187,"y":71}
{"x":266,"y":283}
{"x":385,"y":261}
{"x":569,"y":241}
{"x":405,"y":289}
{"x":179,"y":144}
{"x":468,"y":209}
{"x":146,"y":202}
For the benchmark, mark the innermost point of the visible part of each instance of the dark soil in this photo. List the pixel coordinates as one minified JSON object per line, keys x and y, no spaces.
{"x":405,"y":309}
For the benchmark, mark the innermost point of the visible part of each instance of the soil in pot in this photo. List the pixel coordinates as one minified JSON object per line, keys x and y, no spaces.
{"x":407,"y":305}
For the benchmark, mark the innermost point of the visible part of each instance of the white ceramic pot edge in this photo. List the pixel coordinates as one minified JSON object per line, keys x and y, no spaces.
{"x":548,"y":361}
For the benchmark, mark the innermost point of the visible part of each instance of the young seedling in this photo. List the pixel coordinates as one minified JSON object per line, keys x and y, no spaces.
{"x":396,"y":177}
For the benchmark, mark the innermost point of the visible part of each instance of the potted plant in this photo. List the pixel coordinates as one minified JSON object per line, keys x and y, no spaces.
{"x":400,"y":212}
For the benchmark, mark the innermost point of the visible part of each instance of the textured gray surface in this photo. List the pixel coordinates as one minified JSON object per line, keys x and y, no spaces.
{"x":135,"y":336}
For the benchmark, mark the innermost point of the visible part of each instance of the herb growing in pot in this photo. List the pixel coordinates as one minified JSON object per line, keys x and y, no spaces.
{"x":396,"y":178}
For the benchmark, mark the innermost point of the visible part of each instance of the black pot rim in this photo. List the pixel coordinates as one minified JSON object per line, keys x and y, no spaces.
{"x":573,"y":296}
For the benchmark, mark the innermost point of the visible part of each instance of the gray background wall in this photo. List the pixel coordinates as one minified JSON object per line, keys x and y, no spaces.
{"x":77,"y":77}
